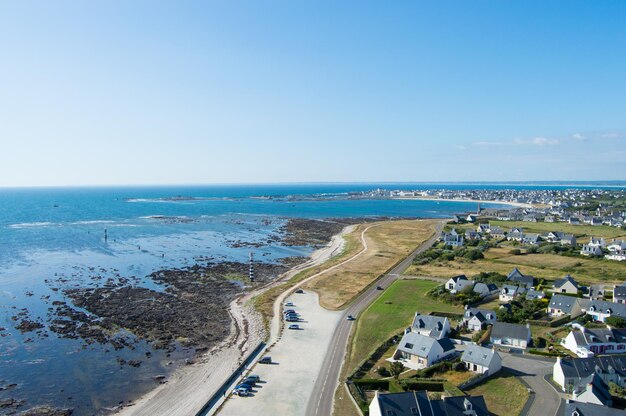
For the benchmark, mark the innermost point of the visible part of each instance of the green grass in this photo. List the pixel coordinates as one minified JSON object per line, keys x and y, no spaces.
{"x":380,"y":321}
{"x":504,"y":394}
{"x":580,"y":231}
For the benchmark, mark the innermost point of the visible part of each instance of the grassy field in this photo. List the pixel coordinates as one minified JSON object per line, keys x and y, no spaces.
{"x":382,"y":320}
{"x":581,"y":232}
{"x":546,"y":266}
{"x":388,"y":242}
{"x":504,"y":394}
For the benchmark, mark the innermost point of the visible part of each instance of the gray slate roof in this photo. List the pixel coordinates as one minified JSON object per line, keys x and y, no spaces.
{"x":566,"y":303}
{"x":584,"y":367}
{"x":617,"y":309}
{"x":619,"y":292}
{"x":478,"y":355}
{"x":517,"y":276}
{"x":420,"y":345}
{"x":560,"y":282}
{"x":590,"y":409}
{"x":593,"y":335}
{"x":513,"y":331}
{"x":417,"y":403}
{"x":433,"y":324}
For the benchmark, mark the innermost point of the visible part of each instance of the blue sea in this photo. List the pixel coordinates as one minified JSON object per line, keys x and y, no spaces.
{"x":52,"y":239}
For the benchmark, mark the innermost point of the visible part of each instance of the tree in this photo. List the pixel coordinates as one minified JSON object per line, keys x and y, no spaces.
{"x":396,"y":369}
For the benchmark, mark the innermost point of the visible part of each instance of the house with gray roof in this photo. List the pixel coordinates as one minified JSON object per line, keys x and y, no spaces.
{"x":573,"y":408}
{"x":531,"y":238}
{"x":516,"y":234}
{"x":593,"y":390}
{"x":475,"y":319}
{"x":452,"y":238}
{"x":481,"y":360}
{"x":417,"y":351}
{"x":485,"y":289}
{"x":568,"y":372}
{"x":533,"y":294}
{"x":521,"y":279}
{"x":588,"y":342}
{"x":561,"y":305}
{"x":619,"y":293}
{"x":431,"y":326}
{"x":417,"y":403}
{"x":510,"y":335}
{"x":602,"y":309}
{"x":588,"y":250}
{"x":496,"y":232}
{"x":510,"y":292}
{"x":565,"y":285}
{"x":458,"y":283}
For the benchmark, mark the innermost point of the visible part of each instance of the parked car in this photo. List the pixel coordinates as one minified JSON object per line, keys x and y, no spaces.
{"x":254,"y":377}
{"x":299,"y":291}
{"x":242,"y":392}
{"x":350,"y":318}
{"x":249,"y":381}
{"x":243,"y":387}
{"x":294,"y":326}
{"x":292,"y":319}
{"x":266,"y":360}
{"x":289,"y":304}
{"x":289,"y":311}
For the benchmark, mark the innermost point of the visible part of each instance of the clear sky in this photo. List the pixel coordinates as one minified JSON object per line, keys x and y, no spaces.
{"x":152,"y":92}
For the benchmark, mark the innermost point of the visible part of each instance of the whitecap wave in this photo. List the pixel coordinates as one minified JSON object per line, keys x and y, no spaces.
{"x":31,"y":224}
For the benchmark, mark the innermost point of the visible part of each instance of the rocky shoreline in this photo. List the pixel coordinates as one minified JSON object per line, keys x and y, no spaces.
{"x":118,"y":312}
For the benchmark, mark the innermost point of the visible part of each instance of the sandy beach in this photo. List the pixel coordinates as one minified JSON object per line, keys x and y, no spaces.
{"x":190,"y":387}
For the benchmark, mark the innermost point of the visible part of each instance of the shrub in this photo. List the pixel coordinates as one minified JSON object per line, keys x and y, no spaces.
{"x":383,"y":372}
{"x":515,"y":252}
{"x":616,"y":322}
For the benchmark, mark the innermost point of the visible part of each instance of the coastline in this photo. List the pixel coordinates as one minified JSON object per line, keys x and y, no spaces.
{"x":189,"y":388}
{"x":478,"y":201}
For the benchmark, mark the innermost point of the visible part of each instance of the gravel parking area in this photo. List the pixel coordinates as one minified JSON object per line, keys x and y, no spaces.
{"x":298,"y":355}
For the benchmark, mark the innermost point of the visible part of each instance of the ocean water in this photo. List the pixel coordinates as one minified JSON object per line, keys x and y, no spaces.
{"x":53,"y":239}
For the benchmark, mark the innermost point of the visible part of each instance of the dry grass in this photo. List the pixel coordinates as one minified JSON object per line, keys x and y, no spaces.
{"x":546,"y":266}
{"x":388,"y":242}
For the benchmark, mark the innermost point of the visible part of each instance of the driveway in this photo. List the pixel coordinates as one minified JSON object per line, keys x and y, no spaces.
{"x":533,"y":371}
{"x":287,"y":385}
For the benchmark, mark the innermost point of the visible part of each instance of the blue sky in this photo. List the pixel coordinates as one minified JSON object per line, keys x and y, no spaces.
{"x":120,"y":92}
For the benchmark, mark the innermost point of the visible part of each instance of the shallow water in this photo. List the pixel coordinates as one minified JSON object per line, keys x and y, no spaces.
{"x":54,"y":239}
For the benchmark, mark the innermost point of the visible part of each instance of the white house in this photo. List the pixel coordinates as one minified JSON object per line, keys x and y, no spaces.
{"x":510,"y":335}
{"x":602,"y":309}
{"x":619,"y":293}
{"x":588,"y":250}
{"x":458,"y":283}
{"x":417,"y":351}
{"x":616,"y":246}
{"x":475,"y":318}
{"x":516,"y":234}
{"x":597,"y":242}
{"x":509,"y":292}
{"x":569,"y":372}
{"x":481,"y":360}
{"x":452,"y":238}
{"x":431,"y":326}
{"x":587,"y":342}
{"x":592,"y":390}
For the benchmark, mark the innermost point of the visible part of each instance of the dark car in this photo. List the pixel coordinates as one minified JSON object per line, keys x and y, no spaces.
{"x":266,"y":360}
{"x":243,"y":387}
{"x":379,"y":288}
{"x":292,"y":319}
{"x":294,"y":326}
{"x":289,"y":311}
{"x":299,"y":291}
{"x":350,"y":318}
{"x":253,"y":377}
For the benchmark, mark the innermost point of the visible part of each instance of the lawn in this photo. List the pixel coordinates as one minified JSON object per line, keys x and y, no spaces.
{"x":579,"y":231}
{"x":388,"y":242}
{"x":504,"y":394}
{"x":382,"y":320}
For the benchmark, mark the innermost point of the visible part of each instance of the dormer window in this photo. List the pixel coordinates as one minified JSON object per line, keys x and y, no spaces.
{"x":408,"y":345}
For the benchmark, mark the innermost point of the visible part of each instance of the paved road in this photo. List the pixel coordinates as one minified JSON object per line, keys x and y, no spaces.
{"x":321,"y":401}
{"x":532,"y":371}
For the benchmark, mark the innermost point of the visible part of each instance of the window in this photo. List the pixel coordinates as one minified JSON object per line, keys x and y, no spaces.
{"x":408,"y":345}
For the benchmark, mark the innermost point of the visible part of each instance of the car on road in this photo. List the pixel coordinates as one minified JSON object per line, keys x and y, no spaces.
{"x":350,"y":318}
{"x":299,"y":291}
{"x":294,"y":326}
{"x":289,"y":304}
{"x":266,"y":360}
{"x":380,"y":288}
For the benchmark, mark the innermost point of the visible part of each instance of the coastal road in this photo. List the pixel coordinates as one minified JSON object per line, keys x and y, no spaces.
{"x":321,"y":401}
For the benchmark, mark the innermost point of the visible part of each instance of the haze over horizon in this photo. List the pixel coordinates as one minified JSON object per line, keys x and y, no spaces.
{"x":122,"y":93}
